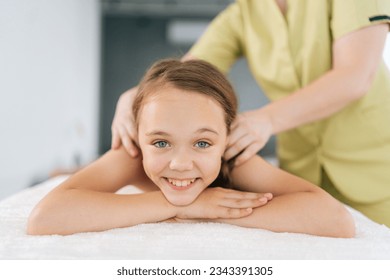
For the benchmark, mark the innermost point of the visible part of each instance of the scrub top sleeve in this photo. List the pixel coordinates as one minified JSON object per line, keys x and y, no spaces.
{"x":221,"y":44}
{"x":350,"y":15}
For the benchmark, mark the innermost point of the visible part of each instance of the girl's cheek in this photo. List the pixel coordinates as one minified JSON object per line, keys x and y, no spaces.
{"x":210,"y":167}
{"x":154,"y":164}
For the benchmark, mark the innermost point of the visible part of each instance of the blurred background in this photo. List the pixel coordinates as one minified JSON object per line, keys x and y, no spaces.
{"x":64,"y":63}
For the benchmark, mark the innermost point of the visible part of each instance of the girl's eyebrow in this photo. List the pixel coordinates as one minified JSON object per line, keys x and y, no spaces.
{"x":206,"y":129}
{"x":157,"y":132}
{"x":163,"y":133}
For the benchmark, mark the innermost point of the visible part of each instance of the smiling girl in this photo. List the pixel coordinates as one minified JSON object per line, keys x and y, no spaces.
{"x":183,"y":112}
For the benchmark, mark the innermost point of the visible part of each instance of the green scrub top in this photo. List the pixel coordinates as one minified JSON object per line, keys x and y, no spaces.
{"x":288,"y":52}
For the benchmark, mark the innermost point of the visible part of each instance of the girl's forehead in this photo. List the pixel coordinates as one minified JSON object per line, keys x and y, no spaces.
{"x":178,"y":109}
{"x":174,"y":94}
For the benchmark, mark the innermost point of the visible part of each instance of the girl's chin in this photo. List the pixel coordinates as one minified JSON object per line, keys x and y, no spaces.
{"x":181,"y":196}
{"x":179,"y":200}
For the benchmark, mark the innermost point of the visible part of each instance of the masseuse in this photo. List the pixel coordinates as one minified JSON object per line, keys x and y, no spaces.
{"x":320,"y":63}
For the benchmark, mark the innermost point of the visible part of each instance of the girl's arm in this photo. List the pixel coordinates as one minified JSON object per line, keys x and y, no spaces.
{"x":297,"y":206}
{"x":87,"y":200}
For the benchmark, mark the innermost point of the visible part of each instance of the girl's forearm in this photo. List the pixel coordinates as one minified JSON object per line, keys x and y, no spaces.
{"x":76,"y":210}
{"x":303,"y":212}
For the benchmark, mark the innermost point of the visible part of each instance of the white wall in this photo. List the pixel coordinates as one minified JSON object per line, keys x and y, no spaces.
{"x":49,"y":87}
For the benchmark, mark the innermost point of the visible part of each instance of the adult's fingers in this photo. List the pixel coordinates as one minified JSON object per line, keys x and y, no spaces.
{"x":130,"y":147}
{"x":127,"y":142}
{"x":249,"y":152}
{"x":238,"y":147}
{"x":116,"y":140}
{"x":236,"y":133}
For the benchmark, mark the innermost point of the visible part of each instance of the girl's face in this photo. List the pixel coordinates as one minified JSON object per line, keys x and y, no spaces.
{"x":182,"y":136}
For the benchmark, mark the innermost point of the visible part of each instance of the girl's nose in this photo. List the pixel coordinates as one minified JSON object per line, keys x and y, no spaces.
{"x":181,"y":162}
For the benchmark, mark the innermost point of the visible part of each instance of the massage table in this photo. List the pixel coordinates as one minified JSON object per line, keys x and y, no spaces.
{"x":184,"y":241}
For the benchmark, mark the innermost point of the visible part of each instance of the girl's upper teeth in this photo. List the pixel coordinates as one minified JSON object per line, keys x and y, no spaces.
{"x":181,"y":183}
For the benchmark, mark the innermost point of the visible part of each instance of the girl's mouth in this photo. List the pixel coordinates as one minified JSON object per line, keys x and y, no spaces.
{"x":180,"y":184}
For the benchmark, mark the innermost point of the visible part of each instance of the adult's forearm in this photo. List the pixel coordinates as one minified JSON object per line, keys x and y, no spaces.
{"x":304,"y":212}
{"x":76,"y":210}
{"x":318,"y":100}
{"x":355,"y":61}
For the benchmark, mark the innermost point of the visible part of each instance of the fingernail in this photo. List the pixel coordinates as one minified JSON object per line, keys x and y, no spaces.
{"x":268,"y":195}
{"x":263,"y":199}
{"x":249,"y":209}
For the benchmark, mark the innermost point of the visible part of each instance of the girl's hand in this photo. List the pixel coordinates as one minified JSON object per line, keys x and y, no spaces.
{"x":123,"y":128}
{"x":249,"y":133}
{"x":216,"y":203}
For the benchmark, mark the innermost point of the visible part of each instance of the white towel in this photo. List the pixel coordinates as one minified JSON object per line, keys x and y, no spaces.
{"x":179,"y":241}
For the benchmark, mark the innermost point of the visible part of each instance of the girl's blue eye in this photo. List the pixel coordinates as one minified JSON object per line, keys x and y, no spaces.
{"x":202,"y":144}
{"x":160,"y":144}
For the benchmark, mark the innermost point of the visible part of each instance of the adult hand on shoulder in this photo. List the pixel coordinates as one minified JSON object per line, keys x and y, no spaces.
{"x":249,"y":133}
{"x":123,"y":127}
{"x":220,"y":203}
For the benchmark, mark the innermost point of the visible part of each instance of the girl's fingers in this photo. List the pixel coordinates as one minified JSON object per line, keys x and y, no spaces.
{"x":236,"y":208}
{"x":244,"y":200}
{"x":244,"y":203}
{"x":233,"y":213}
{"x":235,"y":194}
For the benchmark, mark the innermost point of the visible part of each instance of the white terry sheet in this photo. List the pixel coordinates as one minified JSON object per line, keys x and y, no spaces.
{"x":179,"y":241}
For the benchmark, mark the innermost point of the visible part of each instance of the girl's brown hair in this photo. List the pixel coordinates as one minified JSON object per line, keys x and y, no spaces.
{"x":195,"y":76}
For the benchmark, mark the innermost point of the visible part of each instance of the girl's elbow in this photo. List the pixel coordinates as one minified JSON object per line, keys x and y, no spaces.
{"x":34,"y":223}
{"x":343,"y":225}
{"x":339,"y":221}
{"x":38,"y":222}
{"x":47,"y":217}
